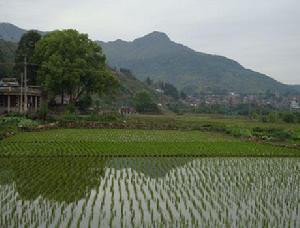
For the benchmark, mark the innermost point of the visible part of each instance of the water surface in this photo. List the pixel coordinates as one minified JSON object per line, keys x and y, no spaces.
{"x":149,"y":192}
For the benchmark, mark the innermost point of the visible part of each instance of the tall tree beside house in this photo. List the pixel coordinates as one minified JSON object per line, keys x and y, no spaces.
{"x":70,"y":64}
{"x":26,"y":48}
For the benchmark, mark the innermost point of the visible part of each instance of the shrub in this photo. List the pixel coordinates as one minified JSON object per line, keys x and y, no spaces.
{"x":84,"y":103}
{"x":144,"y":104}
{"x":27,"y":124}
{"x":282,"y":135}
{"x":71,"y":109}
{"x":288,"y":117}
{"x":43,"y":111}
{"x":272,"y":117}
{"x":239,"y":132}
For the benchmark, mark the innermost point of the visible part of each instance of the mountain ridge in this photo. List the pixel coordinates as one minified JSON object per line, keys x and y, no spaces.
{"x":12,"y":33}
{"x":156,"y":56}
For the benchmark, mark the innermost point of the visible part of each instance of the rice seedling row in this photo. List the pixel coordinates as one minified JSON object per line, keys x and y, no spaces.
{"x":83,"y":142}
{"x":150,"y":192}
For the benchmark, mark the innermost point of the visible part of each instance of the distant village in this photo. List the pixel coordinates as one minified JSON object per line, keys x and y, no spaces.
{"x":276,"y":101}
{"x":15,"y":98}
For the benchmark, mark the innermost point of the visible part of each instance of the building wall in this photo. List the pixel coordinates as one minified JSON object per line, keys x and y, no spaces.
{"x":14,"y":103}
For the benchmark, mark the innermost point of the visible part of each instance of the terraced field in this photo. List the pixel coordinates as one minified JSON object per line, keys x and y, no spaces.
{"x":110,"y":142}
{"x":149,"y":192}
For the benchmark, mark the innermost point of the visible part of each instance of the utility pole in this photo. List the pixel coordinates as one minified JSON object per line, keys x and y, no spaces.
{"x":21,"y":97}
{"x":25,"y":85}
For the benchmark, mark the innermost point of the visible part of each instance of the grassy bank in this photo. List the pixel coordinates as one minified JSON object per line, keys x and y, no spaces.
{"x":240,"y":127}
{"x":113,"y":142}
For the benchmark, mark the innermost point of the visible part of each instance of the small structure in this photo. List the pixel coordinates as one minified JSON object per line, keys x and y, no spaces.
{"x":294,"y":105}
{"x":16,"y":98}
{"x":125,"y":110}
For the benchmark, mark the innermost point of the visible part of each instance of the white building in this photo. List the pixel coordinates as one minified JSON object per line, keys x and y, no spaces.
{"x":294,"y":104}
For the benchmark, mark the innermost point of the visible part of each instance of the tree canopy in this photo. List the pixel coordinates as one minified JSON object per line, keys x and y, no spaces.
{"x":169,"y":90}
{"x":144,"y":103}
{"x":26,"y":48}
{"x":71,"y":64}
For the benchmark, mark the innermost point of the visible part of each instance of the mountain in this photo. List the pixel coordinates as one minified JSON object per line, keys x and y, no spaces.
{"x":296,"y":87}
{"x":12,"y":33}
{"x":10,"y":36}
{"x":158,"y":57}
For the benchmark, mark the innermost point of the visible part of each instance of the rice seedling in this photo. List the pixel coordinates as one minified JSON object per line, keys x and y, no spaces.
{"x":114,"y":143}
{"x":149,"y":192}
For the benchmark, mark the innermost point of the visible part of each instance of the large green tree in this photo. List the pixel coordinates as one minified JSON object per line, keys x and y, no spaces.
{"x":70,"y":64}
{"x":26,"y":48}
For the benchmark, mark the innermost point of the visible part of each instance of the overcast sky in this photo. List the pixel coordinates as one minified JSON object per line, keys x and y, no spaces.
{"x":263,"y":35}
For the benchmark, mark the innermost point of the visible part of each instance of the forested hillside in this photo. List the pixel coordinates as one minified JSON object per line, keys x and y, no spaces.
{"x":7,"y":58}
{"x":159,"y":58}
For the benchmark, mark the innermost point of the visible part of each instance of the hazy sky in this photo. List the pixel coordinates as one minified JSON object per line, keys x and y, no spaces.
{"x":263,"y":35}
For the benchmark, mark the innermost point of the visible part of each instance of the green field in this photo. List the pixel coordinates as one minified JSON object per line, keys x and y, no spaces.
{"x":124,"y":142}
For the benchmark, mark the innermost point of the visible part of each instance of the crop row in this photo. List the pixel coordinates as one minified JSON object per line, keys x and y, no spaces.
{"x":206,"y":149}
{"x":151,"y":192}
{"x":78,"y":142}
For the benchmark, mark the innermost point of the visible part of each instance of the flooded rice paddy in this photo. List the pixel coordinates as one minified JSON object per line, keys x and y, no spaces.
{"x":149,"y":192}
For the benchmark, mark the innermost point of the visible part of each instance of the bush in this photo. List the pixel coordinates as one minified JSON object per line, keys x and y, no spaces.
{"x":272,"y":117}
{"x":144,"y":104}
{"x":282,"y":135}
{"x":71,"y":109}
{"x":43,"y":111}
{"x":288,"y":117}
{"x":84,"y":103}
{"x":239,"y":132}
{"x":27,"y":124}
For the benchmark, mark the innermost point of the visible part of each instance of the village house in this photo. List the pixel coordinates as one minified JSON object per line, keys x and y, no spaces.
{"x":15,"y":98}
{"x":295,"y":104}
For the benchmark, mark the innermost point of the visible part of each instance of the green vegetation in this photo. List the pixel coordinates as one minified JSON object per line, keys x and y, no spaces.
{"x":7,"y":58}
{"x":70,"y":64}
{"x":143,"y":103}
{"x":237,"y":126}
{"x":84,"y":142}
{"x":129,"y":88}
{"x":13,"y":124}
{"x":26,"y":48}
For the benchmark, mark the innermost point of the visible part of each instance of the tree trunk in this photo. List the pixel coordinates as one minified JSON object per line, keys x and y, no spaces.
{"x":62,"y":97}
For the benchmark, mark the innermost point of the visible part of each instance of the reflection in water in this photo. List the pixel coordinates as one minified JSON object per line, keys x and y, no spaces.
{"x":135,"y":192}
{"x":61,"y":179}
